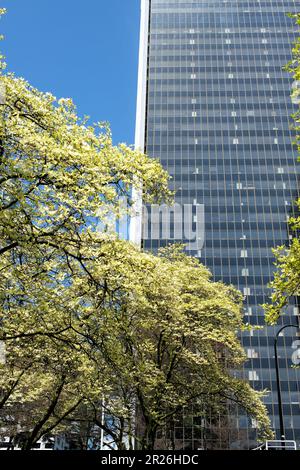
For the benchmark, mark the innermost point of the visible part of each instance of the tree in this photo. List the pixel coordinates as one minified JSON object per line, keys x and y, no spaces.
{"x":169,"y":338}
{"x":42,"y":384}
{"x":61,"y":181}
{"x":286,"y":282}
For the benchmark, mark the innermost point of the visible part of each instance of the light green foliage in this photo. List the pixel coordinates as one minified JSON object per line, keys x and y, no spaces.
{"x":172,"y":341}
{"x":286,"y":280}
{"x":59,"y":178}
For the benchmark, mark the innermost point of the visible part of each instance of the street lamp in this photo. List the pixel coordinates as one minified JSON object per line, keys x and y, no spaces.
{"x":282,"y":432}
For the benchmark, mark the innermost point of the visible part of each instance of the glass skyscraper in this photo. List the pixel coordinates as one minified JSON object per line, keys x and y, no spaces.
{"x":214,"y":106}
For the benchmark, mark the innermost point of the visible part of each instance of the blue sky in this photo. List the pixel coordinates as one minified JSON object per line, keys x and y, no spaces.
{"x":86,"y":50}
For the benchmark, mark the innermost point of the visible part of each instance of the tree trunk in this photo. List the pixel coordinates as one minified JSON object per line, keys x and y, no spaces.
{"x":35,"y":434}
{"x":149,"y":439}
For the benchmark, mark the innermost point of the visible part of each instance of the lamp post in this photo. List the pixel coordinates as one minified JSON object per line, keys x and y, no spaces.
{"x":280,"y":410}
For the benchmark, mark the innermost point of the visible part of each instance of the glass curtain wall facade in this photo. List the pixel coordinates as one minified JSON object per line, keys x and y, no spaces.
{"x":216,"y":112}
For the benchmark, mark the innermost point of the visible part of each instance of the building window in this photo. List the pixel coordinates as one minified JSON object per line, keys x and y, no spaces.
{"x":249,"y":311}
{"x":253,"y":375}
{"x":252,"y":354}
{"x":254,"y":423}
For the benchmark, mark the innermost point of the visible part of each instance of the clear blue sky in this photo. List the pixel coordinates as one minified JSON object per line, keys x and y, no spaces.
{"x":86,"y":50}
